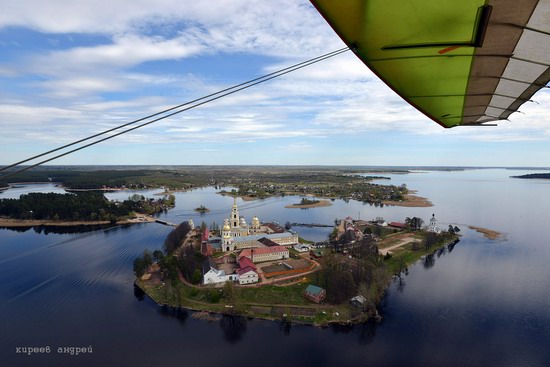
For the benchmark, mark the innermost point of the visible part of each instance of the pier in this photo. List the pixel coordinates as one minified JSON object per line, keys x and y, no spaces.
{"x":166,"y":223}
{"x":311,"y":225}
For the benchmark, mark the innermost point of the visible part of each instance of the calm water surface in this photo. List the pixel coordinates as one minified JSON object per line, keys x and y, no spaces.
{"x":486,"y":303}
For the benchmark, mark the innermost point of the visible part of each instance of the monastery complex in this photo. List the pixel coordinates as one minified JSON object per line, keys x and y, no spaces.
{"x":244,"y":245}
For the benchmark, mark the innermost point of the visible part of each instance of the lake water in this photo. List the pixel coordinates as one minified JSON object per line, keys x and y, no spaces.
{"x":486,"y":303}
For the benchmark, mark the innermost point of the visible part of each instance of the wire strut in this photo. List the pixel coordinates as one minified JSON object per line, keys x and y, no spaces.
{"x":161,"y":115}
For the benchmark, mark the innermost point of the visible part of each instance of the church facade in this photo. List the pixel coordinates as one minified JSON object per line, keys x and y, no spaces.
{"x":236,"y":234}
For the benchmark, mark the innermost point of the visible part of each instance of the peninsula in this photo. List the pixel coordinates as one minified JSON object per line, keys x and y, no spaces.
{"x":88,"y":208}
{"x":263,"y":270}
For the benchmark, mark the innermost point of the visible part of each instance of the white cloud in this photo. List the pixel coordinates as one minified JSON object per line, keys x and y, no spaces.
{"x":96,"y":86}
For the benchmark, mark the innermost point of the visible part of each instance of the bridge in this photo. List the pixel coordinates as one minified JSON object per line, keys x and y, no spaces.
{"x":166,"y":223}
{"x":310,"y":225}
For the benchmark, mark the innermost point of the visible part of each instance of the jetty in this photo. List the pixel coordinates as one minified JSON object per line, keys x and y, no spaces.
{"x":166,"y":223}
{"x":310,"y":225}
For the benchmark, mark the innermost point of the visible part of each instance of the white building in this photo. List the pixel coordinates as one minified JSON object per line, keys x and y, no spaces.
{"x":302,"y":247}
{"x":432,"y":227}
{"x":237,"y":235}
{"x":247,"y":275}
{"x":265,"y":253}
{"x":211,"y":275}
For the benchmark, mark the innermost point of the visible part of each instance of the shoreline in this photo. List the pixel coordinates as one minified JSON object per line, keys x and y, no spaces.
{"x":411,"y":201}
{"x":17,"y":223}
{"x":334,"y":314}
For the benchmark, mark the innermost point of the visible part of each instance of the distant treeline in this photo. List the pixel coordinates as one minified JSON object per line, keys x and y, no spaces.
{"x":534,"y":175}
{"x":82,"y":206}
{"x":99,"y":179}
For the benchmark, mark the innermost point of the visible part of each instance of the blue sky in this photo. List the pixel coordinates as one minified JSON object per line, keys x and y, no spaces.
{"x":69,"y":69}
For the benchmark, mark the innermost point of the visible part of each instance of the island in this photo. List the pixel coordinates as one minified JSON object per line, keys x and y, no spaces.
{"x":309,"y":203}
{"x":264,"y":270}
{"x":202,"y":209}
{"x":545,"y":176}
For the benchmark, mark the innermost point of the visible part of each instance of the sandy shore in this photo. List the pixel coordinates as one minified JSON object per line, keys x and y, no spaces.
{"x":13,"y":223}
{"x":411,"y":201}
{"x":316,"y":205}
{"x":487,"y":233}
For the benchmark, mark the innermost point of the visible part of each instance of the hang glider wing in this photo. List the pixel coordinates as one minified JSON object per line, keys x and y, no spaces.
{"x":464,"y":62}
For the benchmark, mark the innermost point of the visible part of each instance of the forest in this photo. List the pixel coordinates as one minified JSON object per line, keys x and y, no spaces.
{"x":81,"y":206}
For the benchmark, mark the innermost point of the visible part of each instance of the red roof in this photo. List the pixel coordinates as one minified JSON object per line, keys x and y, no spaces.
{"x":276,"y":228}
{"x":205,"y":234}
{"x":397,"y":224}
{"x":245,"y":262}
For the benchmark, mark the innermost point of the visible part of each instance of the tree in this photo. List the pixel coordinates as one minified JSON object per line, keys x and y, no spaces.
{"x":414,"y":223}
{"x":196,"y":278}
{"x":139,"y":267}
{"x":451,"y":229}
{"x":431,"y":239}
{"x":157,"y":255}
{"x":147,"y":258}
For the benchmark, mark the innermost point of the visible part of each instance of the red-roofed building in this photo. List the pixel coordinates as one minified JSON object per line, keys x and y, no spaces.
{"x":274,"y":228}
{"x":397,"y":225}
{"x":265,"y":253}
{"x":246,"y":262}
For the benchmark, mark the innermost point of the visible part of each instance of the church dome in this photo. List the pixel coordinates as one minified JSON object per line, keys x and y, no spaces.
{"x":255,"y":222}
{"x":242,"y":222}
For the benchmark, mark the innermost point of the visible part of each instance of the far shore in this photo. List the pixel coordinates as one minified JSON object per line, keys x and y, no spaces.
{"x":321,"y":203}
{"x":14,"y":223}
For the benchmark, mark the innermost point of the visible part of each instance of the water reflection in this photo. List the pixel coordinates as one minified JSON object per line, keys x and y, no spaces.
{"x":429,"y":261}
{"x":177,"y":313}
{"x":285,"y":327}
{"x":139,"y":293}
{"x":233,"y":327}
{"x":488,"y":304}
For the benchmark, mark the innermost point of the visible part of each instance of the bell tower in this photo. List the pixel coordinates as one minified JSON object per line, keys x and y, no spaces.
{"x":234,"y":215}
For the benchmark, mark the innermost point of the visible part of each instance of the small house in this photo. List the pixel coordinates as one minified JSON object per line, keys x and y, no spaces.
{"x":316,"y":254}
{"x":358,"y":301}
{"x":315,"y":294}
{"x":302,"y":247}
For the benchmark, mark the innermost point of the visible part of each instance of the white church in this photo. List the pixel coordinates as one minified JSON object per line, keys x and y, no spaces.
{"x":237,"y":234}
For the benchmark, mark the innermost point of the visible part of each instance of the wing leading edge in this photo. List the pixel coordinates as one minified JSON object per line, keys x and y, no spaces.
{"x":460,"y":63}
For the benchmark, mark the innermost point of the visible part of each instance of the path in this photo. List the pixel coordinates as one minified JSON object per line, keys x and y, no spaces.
{"x":401,"y":243}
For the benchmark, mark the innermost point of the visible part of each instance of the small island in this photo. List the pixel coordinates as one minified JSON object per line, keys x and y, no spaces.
{"x":488,"y":233}
{"x":309,"y":203}
{"x":263,"y":270}
{"x":202,"y":209}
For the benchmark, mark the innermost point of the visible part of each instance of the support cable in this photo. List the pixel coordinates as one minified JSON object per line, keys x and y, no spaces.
{"x":191,"y":104}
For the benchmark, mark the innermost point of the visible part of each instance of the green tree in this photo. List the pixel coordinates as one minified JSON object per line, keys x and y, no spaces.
{"x":147,"y":257}
{"x":139,"y":267}
{"x":196,"y":278}
{"x":451,"y":230}
{"x":431,"y":239}
{"x":157,"y":255}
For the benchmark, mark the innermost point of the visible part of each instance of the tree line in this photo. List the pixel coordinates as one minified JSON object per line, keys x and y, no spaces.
{"x":81,"y":206}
